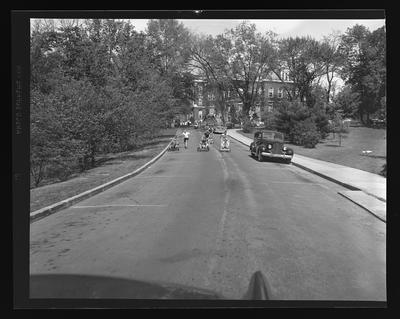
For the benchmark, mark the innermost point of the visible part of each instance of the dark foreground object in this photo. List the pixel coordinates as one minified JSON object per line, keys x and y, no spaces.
{"x":88,"y":287}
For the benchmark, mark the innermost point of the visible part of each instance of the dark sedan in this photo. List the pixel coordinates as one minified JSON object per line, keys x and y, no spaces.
{"x":269,"y":144}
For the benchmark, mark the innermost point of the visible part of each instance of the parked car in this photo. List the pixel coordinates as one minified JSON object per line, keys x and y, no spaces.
{"x":270,"y":144}
{"x":229,"y":125}
{"x":220,"y":129}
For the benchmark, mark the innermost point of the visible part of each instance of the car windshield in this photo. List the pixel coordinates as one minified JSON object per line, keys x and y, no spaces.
{"x":272,"y":136}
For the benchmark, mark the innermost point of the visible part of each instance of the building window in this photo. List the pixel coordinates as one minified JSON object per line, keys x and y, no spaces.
{"x":270,"y":106}
{"x":271,"y":92}
{"x":280,"y":93}
{"x":285,"y":76}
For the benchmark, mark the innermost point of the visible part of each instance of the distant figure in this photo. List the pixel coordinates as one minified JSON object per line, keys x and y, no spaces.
{"x":185,"y":137}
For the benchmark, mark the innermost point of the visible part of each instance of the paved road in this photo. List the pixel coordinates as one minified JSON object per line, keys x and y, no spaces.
{"x":210,"y":220}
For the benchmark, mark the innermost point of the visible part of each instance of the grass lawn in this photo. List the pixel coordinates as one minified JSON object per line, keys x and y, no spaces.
{"x":111,"y":166}
{"x":350,"y":152}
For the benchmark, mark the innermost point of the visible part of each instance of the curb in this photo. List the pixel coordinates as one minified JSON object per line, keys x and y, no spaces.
{"x":350,"y":187}
{"x":364,"y":207}
{"x":49,"y":210}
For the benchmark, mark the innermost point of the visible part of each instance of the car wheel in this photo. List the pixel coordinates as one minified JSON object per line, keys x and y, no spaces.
{"x":260,"y":157}
{"x":288,"y":161}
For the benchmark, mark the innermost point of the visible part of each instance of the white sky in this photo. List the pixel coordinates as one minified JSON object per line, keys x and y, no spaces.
{"x":284,"y":28}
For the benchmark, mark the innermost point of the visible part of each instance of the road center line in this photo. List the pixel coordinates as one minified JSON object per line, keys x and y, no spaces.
{"x":137,"y":205}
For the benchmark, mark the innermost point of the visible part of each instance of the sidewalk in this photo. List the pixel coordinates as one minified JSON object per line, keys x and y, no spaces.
{"x":352,"y":178}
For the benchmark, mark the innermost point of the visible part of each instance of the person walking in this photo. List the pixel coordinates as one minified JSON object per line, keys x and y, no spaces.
{"x":185,"y":137}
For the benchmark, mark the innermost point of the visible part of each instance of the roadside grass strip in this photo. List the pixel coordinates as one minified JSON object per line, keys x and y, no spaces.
{"x":46,"y":211}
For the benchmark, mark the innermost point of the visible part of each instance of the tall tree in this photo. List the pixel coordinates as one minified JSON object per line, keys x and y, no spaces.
{"x":205,"y":59}
{"x":168,"y":41}
{"x":245,"y":56}
{"x":332,"y":59}
{"x":301,"y":56}
{"x":365,"y":67}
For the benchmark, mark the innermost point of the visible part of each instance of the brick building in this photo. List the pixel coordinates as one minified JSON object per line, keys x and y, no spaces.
{"x":271,"y":90}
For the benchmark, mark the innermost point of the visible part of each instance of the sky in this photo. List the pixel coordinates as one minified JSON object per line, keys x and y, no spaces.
{"x":284,"y":28}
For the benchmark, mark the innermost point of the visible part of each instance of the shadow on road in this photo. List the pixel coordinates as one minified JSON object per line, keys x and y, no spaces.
{"x":271,"y":160}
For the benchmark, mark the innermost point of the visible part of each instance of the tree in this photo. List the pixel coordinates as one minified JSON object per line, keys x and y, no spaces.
{"x":337,"y":125}
{"x":96,"y":87}
{"x":205,"y":59}
{"x":288,"y":113}
{"x":168,"y":42}
{"x":302,"y":57}
{"x":332,"y":59}
{"x":244,"y":57}
{"x":347,"y":102}
{"x":365,"y":67}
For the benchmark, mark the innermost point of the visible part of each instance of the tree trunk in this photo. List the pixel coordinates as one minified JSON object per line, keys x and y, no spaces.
{"x":246,"y":108}
{"x":328,"y":92}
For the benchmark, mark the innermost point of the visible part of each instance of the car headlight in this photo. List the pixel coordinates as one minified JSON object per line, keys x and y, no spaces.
{"x":269,"y":146}
{"x":284,"y":148}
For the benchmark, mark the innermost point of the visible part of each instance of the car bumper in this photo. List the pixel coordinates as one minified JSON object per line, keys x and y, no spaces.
{"x":266,"y":154}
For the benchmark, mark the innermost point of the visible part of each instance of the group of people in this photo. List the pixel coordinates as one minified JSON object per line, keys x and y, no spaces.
{"x":204,"y":139}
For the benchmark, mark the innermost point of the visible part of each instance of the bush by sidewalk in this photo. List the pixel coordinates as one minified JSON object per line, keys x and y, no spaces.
{"x":305,"y":133}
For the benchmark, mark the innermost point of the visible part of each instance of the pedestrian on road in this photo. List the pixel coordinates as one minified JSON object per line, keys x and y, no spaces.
{"x":185,"y":137}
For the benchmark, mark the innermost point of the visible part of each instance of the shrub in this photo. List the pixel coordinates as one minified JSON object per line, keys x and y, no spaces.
{"x":288,"y":114}
{"x":322,"y":122}
{"x":311,"y":139}
{"x":305,"y":133}
{"x":60,"y":169}
{"x":247,"y":127}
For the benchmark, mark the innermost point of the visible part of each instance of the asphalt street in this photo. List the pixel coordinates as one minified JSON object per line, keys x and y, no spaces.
{"x":210,"y":220}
